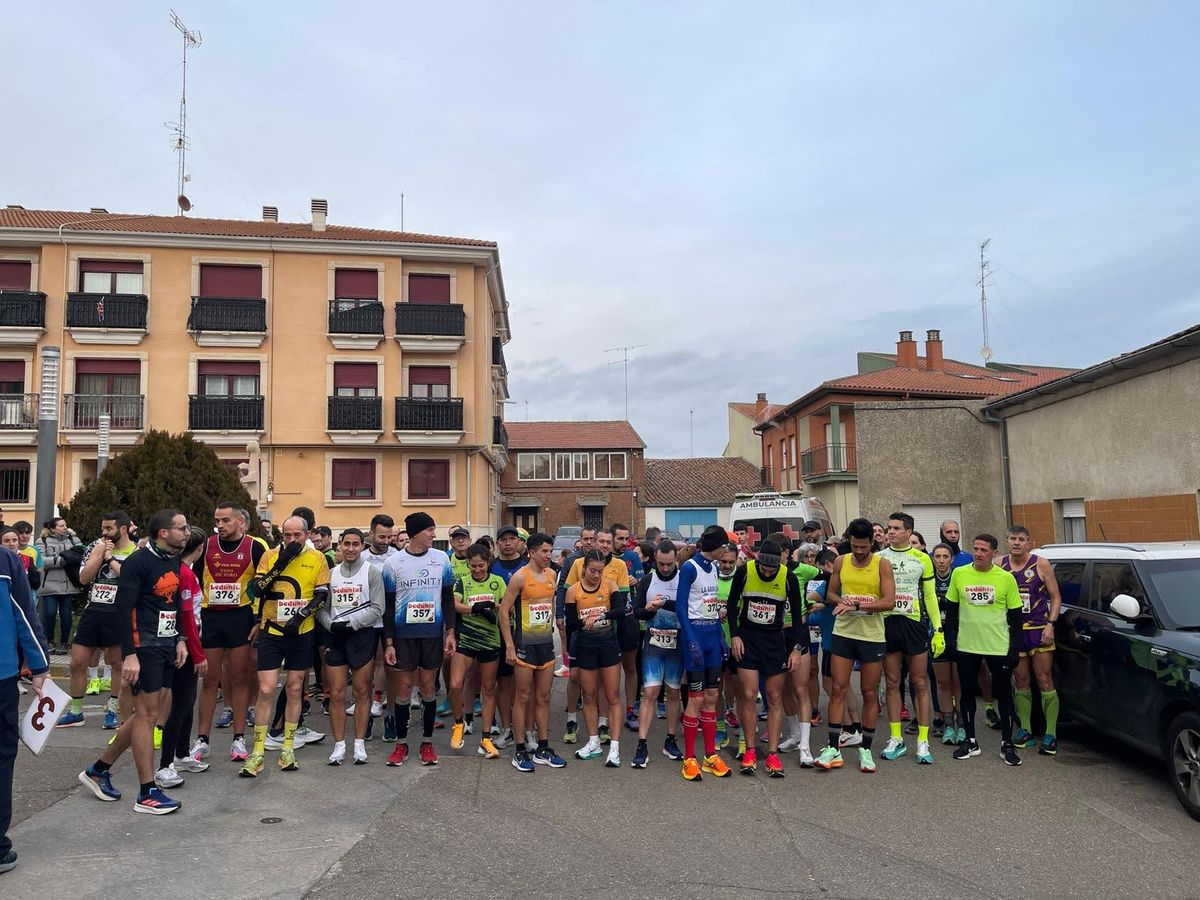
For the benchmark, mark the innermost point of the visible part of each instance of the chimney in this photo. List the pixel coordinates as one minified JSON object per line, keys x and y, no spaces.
{"x":99,"y":209}
{"x":906,"y":351}
{"x":270,"y":213}
{"x":934,"y":361}
{"x":320,"y":209}
{"x":760,"y":405}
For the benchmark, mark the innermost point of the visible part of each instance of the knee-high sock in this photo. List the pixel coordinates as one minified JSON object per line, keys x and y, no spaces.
{"x":690,"y":724}
{"x":401,"y":711}
{"x":1050,"y":708}
{"x":1023,"y":700}
{"x":708,"y":725}
{"x":428,"y":717}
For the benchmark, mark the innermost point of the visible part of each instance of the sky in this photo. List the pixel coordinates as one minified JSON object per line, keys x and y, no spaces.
{"x":749,"y":194}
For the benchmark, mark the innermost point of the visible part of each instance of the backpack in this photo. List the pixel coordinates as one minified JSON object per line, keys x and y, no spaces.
{"x":72,"y":559}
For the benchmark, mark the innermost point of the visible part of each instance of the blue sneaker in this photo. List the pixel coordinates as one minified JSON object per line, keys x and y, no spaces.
{"x":894,"y":750}
{"x":641,"y":757}
{"x":443,"y":709}
{"x":671,"y":749}
{"x":225,"y":719}
{"x":111,"y":721}
{"x":70,"y":720}
{"x":545,"y":756}
{"x":389,"y":729}
{"x":478,"y":707}
{"x":1048,"y":745}
{"x":1024,"y":739}
{"x":249,"y":717}
{"x":661,"y":711}
{"x":155,"y":802}
{"x":99,"y":783}
{"x":521,"y":761}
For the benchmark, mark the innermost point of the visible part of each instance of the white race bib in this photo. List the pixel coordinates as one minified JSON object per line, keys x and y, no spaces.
{"x":981,"y":595}
{"x":664,"y":638}
{"x":710,"y":607}
{"x":286,"y":608}
{"x":814,"y":634}
{"x":1025,"y":602}
{"x":104,"y":593}
{"x":814,"y":586}
{"x":166,"y":623}
{"x":539,"y":614}
{"x":760,"y":612}
{"x":420,"y":612}
{"x":347,"y":597}
{"x":904,"y":604}
{"x":850,"y":598}
{"x":595,"y":618}
{"x":224,"y":594}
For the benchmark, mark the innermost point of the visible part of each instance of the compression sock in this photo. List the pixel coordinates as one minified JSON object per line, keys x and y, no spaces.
{"x":1050,"y":708}
{"x":897,"y":731}
{"x":708,"y":725}
{"x":1024,"y":703}
{"x":922,"y":734}
{"x":401,"y":712}
{"x":835,"y":734}
{"x":690,"y":724}
{"x":75,"y":706}
{"x":260,"y":738}
{"x":289,"y":735}
{"x":428,"y":717}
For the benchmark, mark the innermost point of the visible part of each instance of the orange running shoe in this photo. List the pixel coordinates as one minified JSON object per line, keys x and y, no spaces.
{"x":749,"y":761}
{"x":714,"y":765}
{"x":774,"y":766}
{"x":691,"y":769}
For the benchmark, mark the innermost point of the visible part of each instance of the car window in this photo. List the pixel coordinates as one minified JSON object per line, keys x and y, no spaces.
{"x":1070,"y":581}
{"x":1176,"y":584}
{"x":1110,"y":579}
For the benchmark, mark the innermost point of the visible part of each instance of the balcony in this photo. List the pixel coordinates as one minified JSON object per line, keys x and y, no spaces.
{"x":226,"y":420}
{"x":22,"y":317}
{"x":228,"y":321}
{"x":354,"y":420}
{"x":499,"y":433}
{"x":107,"y":318}
{"x":431,"y":327}
{"x":498,"y":355}
{"x":18,"y":418}
{"x":429,"y":421}
{"x":829,"y":462}
{"x":355,"y":324}
{"x":81,"y":418}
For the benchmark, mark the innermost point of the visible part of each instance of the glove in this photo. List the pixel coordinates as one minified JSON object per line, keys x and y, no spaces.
{"x":695,"y":657}
{"x":938,"y":644}
{"x":289,"y":552}
{"x":483,"y":606}
{"x":292,"y":628}
{"x":341,"y":626}
{"x":1014,"y":657}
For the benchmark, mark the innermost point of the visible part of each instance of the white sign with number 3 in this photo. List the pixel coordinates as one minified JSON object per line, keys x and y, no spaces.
{"x":43,"y":715}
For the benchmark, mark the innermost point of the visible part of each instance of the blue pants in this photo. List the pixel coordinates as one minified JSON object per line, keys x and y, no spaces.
{"x":56,"y":606}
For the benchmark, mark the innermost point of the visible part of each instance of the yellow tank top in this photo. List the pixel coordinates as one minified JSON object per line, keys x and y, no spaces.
{"x":861,"y":584}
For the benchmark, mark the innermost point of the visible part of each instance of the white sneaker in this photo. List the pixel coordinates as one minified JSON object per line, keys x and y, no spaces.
{"x":806,"y":758}
{"x":614,"y":756}
{"x":189,"y":764}
{"x":503,"y":740}
{"x":338,"y":754}
{"x":167,"y":777}
{"x":890,"y":748}
{"x":350,"y":710}
{"x":376,"y":708}
{"x":237,"y":751}
{"x":306,"y":735}
{"x":850,"y":739}
{"x":469,"y":727}
{"x":562,"y":672}
{"x":360,"y":753}
{"x":787,"y":745}
{"x":199,"y":750}
{"x":276,"y":742}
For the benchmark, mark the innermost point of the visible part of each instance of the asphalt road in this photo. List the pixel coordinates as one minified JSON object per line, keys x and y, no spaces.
{"x":1096,"y":821}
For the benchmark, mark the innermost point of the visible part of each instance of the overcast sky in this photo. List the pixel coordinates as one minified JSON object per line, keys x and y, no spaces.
{"x":754,"y":191}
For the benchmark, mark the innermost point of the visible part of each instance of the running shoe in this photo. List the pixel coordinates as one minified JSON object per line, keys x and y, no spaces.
{"x":350,"y":709}
{"x":157,"y":737}
{"x":749,"y":762}
{"x":1048,"y":746}
{"x":477,"y":709}
{"x":806,"y":758}
{"x":360,"y":755}
{"x":167,"y":777}
{"x":993,"y":720}
{"x":369,"y":733}
{"x":99,"y":783}
{"x":866,"y":762}
{"x":398,"y":755}
{"x":722,"y":736}
{"x":545,"y":756}
{"x":631,"y":719}
{"x":950,"y":735}
{"x":377,"y":703}
{"x":589,"y":751}
{"x":106,"y":684}
{"x":1009,"y":754}
{"x":924,"y":757}
{"x":389,"y":729}
{"x":111,"y":721}
{"x":571,"y":735}
{"x":74,"y":720}
{"x":660,"y":711}
{"x":741,"y":748}
{"x":469,"y":727}
{"x":237,"y":750}
{"x":249,"y":717}
{"x":428,"y":757}
{"x":962,"y":734}
{"x":155,"y":802}
{"x":788,"y":744}
{"x":905,"y":715}
{"x":93,"y":686}
{"x":850,"y":739}
{"x":339,"y":753}
{"x":762,"y":713}
{"x":774,"y":765}
{"x":894,"y":749}
{"x":671,"y":748}
{"x":714,"y":765}
{"x":614,"y":756}
{"x":731,"y":720}
{"x":190,"y":764}
{"x":939,"y":727}
{"x":691,"y":769}
{"x":504,"y":739}
{"x":605,"y":734}
{"x":562,"y":672}
{"x":275,"y":741}
{"x":487,"y":749}
{"x":456,"y":736}
{"x":8,"y":861}
{"x":1024,"y":739}
{"x":199,"y":750}
{"x":287,"y":760}
{"x":830,"y":758}
{"x":967,"y":749}
{"x":521,"y":761}
{"x":306,"y":735}
{"x":816,"y":719}
{"x":641,"y":756}
{"x":911,"y":727}
{"x":253,"y":767}
{"x":225,"y":719}
{"x":443,"y":709}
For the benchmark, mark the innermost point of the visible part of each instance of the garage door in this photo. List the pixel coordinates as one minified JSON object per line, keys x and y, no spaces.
{"x":690,"y":522}
{"x":930,"y":516}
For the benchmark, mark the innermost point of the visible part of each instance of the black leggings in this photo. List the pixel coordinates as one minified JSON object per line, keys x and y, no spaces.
{"x":968,"y":677}
{"x":177,"y":731}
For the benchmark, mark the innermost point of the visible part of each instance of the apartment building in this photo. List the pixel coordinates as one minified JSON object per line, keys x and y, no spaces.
{"x":353,"y":370}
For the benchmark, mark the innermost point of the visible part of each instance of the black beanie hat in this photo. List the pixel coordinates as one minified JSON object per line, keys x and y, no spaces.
{"x":418,"y":521}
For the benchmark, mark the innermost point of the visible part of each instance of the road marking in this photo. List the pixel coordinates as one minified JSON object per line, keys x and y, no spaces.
{"x":1153,"y":835}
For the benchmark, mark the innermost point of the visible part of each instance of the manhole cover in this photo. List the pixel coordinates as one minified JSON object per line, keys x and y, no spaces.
{"x":271,"y":820}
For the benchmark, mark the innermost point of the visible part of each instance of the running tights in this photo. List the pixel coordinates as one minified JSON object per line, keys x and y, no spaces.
{"x":177,"y":731}
{"x":969,"y":665}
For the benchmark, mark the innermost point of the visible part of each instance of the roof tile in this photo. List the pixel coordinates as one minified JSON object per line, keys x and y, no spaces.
{"x":701,"y":481}
{"x":605,"y":435}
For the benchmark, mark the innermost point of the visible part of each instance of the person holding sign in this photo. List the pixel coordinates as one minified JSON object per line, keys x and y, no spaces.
{"x":529,"y":644}
{"x":357,"y":599}
{"x":985,"y":604}
{"x":592,"y":605}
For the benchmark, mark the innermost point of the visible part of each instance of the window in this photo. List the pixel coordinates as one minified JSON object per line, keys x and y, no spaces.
{"x":581,"y":463}
{"x":562,"y":466}
{"x":1070,"y":582}
{"x":12,"y":376}
{"x":16,"y":276}
{"x":429,"y":381}
{"x":230,"y":281}
{"x":1074,"y":525}
{"x":525,"y":517}
{"x":355,"y":379}
{"x":795,"y":462}
{"x":227,"y":379}
{"x":428,"y":288}
{"x":610,"y":465}
{"x":97,"y":377}
{"x":355,"y":284}
{"x":14,"y":481}
{"x":593,"y":517}
{"x":353,"y":479}
{"x":1110,"y":579}
{"x":429,"y":479}
{"x":533,"y":467}
{"x":101,"y":276}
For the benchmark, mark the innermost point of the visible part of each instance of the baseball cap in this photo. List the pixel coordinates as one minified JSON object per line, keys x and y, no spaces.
{"x":507,"y":529}
{"x":523,"y":534}
{"x":811,"y":525}
{"x":456,"y":530}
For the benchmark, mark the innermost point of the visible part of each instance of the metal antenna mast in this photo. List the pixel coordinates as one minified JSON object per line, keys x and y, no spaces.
{"x":984,"y":272}
{"x":625,"y":352}
{"x":190,"y":39}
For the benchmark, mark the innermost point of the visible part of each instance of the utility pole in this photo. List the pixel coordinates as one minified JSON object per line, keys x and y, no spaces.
{"x":516,"y":402}
{"x":401,"y":210}
{"x":691,"y":433}
{"x":984,"y":272}
{"x":190,"y":39}
{"x":625,"y":353}
{"x":47,"y":434}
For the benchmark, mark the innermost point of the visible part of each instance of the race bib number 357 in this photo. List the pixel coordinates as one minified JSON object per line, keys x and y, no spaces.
{"x":420,"y":612}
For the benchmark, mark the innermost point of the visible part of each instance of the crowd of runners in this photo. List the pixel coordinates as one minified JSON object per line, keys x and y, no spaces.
{"x":717,"y":645}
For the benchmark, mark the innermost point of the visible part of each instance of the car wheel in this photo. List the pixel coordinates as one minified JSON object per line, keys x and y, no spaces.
{"x":1183,"y":760}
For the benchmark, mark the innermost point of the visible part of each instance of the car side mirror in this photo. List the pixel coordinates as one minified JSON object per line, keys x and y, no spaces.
{"x":1126,"y":607}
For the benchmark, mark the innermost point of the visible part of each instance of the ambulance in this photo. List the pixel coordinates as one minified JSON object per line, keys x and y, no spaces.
{"x":766,"y":512}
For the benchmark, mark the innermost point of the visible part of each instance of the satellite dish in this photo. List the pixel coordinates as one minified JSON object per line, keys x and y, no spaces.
{"x":184,"y":203}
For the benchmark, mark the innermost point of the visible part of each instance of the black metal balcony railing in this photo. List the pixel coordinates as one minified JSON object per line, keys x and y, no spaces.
{"x":829,"y":459}
{"x":22,"y":309}
{"x":446,"y":319}
{"x":225,"y":413}
{"x":126,"y":411}
{"x":499,"y":432}
{"x":355,"y":414}
{"x":18,"y":411}
{"x":106,"y":310}
{"x":429,"y":414}
{"x":355,"y":317}
{"x":228,"y":314}
{"x":498,"y":353}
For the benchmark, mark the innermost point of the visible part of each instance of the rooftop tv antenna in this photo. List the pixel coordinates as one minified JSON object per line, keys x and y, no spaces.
{"x":984,"y":272}
{"x":179,"y":128}
{"x":625,"y":353}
